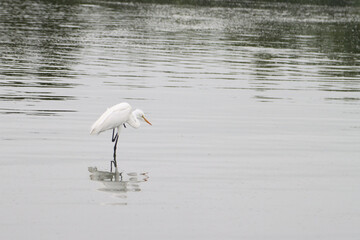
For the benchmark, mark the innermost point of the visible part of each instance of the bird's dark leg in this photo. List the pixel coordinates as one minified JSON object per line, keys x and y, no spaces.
{"x":114,"y":139}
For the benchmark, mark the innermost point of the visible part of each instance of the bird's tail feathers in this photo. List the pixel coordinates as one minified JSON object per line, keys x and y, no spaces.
{"x":94,"y":131}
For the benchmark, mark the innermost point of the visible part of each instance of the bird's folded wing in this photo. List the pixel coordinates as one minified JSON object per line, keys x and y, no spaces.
{"x":111,"y":118}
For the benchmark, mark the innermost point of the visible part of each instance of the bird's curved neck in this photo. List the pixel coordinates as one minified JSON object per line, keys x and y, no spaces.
{"x":133,"y":120}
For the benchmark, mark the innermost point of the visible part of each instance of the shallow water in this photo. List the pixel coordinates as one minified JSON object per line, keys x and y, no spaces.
{"x":255,"y":112}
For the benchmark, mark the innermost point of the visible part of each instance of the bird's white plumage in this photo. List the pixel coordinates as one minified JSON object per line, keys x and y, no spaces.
{"x":112,"y":118}
{"x":115,"y":117}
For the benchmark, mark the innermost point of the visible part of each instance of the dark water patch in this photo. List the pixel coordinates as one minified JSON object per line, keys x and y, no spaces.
{"x":266,"y":98}
{"x":36,"y":112}
{"x":37,"y":84}
{"x":344,"y":99}
{"x":342,"y":90}
{"x":224,"y":3}
{"x":136,"y":98}
{"x":36,"y":41}
{"x":37,"y":97}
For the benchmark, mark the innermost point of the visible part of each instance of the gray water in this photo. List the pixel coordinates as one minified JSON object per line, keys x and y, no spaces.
{"x":254,"y":106}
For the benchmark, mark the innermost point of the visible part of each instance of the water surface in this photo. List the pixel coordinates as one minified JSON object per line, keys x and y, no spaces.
{"x":255,"y":112}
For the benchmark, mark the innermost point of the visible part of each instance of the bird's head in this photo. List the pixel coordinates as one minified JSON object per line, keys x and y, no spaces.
{"x":139,"y":114}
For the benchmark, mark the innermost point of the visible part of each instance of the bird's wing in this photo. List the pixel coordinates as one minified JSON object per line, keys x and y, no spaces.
{"x":112,"y":118}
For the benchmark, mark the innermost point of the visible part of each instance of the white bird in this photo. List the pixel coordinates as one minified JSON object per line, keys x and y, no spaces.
{"x":116,"y":117}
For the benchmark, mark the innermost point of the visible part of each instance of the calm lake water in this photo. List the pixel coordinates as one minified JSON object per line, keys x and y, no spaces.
{"x":255,"y":109}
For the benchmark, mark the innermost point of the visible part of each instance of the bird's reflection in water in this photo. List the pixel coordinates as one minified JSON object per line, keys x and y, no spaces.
{"x":118,"y":183}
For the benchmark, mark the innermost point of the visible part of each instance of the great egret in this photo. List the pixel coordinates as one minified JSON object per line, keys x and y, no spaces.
{"x":115,"y":117}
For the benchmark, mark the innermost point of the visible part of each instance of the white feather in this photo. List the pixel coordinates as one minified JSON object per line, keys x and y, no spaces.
{"x":112,"y":118}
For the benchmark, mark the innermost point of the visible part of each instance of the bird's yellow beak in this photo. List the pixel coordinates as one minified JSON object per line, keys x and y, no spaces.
{"x":146,"y":120}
